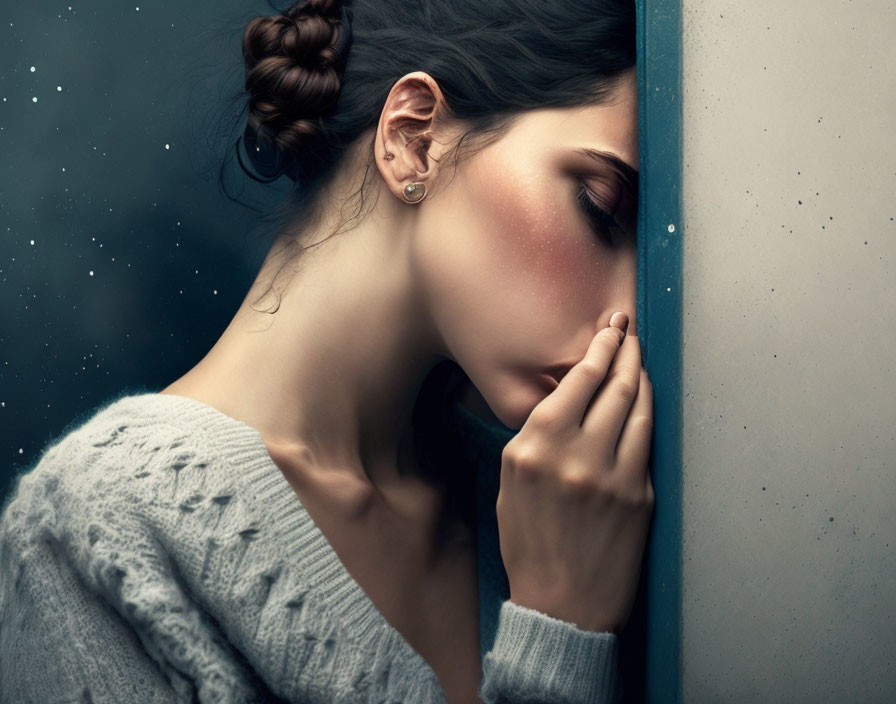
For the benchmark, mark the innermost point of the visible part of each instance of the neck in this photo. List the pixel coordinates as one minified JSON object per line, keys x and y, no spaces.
{"x":331,"y":377}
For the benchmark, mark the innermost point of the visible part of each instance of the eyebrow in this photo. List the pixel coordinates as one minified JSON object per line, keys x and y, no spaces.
{"x":615,"y":162}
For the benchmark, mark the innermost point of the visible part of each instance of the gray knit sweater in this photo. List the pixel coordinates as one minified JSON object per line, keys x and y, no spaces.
{"x":155,"y":553}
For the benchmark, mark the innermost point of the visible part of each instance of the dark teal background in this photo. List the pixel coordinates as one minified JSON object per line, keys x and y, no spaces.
{"x":86,"y":176}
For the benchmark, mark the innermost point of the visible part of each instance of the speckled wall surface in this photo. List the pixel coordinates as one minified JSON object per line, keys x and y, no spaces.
{"x":789,"y":371}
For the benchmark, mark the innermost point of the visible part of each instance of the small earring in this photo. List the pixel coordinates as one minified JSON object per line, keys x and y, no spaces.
{"x":389,"y":156}
{"x":414,"y":192}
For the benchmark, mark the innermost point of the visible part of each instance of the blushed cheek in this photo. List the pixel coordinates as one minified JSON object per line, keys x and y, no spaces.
{"x":551,"y":267}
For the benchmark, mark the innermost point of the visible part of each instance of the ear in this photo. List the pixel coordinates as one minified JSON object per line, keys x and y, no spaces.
{"x":413,"y":115}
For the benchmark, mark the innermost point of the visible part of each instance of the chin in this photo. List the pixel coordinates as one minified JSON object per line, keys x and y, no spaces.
{"x":514,"y":408}
{"x":512,"y":401}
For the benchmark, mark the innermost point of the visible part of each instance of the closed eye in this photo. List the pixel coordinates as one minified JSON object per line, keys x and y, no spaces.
{"x":602,"y":223}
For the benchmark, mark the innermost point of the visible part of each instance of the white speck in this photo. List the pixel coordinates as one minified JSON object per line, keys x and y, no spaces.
{"x":2,"y":404}
{"x":63,"y":168}
{"x":138,"y":9}
{"x":668,"y":289}
{"x":196,"y":271}
{"x":34,"y":100}
{"x":59,"y":89}
{"x":178,"y":223}
{"x":4,"y":100}
{"x":167,"y":146}
{"x":32,"y":242}
{"x":91,"y":273}
{"x":33,"y":69}
{"x":21,"y":451}
{"x":671,"y":228}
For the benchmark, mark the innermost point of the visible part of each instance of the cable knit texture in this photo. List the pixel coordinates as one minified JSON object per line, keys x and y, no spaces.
{"x":155,"y":553}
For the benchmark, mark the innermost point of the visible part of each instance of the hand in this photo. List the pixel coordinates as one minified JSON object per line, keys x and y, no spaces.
{"x":575,"y":501}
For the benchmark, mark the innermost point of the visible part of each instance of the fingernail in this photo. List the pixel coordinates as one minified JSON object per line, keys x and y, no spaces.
{"x":619,"y":320}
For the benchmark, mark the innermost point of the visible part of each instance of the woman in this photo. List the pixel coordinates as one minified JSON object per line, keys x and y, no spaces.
{"x":293,"y":518}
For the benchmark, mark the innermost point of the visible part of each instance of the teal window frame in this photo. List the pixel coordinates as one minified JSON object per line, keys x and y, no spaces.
{"x":659,"y":314}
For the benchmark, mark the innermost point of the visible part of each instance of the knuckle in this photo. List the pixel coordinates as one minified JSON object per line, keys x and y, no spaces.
{"x":579,"y":484}
{"x":622,"y":489}
{"x":523,"y":459}
{"x":625,"y":387}
{"x":642,"y":424}
{"x":634,"y":498}
{"x":542,"y":418}
{"x":509,"y":453}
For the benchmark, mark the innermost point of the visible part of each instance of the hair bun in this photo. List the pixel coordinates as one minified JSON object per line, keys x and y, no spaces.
{"x":294,"y":65}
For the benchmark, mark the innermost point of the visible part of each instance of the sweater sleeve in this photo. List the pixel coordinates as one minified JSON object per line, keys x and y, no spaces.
{"x":537,"y":658}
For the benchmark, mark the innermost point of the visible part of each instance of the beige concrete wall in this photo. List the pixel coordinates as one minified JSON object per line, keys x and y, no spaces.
{"x":789,"y":324}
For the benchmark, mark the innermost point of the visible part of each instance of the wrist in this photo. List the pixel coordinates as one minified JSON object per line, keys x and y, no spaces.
{"x":592,"y":623}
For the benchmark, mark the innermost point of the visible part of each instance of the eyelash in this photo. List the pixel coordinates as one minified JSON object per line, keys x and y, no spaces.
{"x":603,"y":224}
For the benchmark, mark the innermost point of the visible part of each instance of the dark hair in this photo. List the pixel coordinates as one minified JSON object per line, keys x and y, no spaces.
{"x":317,"y":76}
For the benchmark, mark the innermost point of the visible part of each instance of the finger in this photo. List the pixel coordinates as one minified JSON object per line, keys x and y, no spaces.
{"x":607,"y":412}
{"x":633,"y":450}
{"x":566,"y":404}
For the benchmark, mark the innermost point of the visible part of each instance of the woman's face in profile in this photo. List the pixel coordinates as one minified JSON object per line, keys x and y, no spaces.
{"x":518,"y":277}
